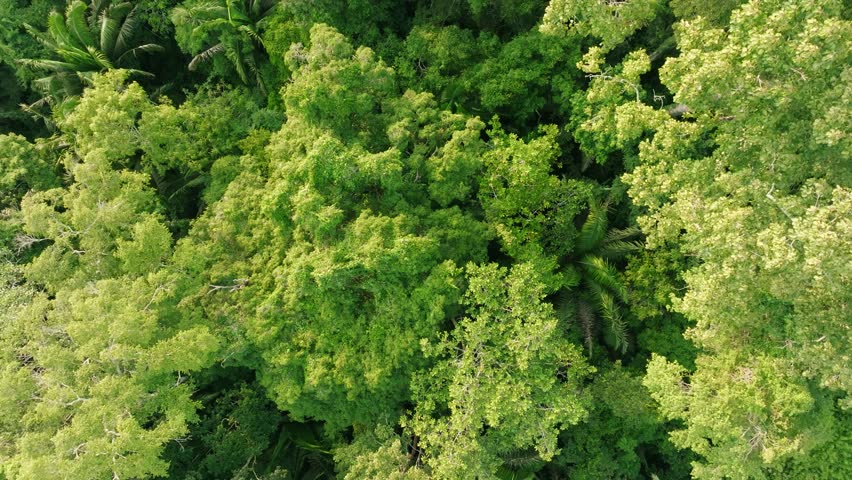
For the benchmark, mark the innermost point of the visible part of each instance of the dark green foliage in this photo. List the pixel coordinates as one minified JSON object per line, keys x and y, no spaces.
{"x":88,"y":39}
{"x":226,"y":32}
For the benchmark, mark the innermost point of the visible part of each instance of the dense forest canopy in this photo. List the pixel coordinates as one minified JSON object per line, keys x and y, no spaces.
{"x":410,"y":239}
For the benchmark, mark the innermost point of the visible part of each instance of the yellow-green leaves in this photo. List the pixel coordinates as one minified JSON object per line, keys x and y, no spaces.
{"x":506,"y":378}
{"x":753,"y":189}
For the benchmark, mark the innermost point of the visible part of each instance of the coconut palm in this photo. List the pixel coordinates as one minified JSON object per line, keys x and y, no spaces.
{"x":88,"y":39}
{"x":234,"y":26}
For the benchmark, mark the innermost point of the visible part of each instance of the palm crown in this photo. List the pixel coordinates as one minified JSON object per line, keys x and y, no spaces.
{"x":597,"y":246}
{"x":88,"y":39}
{"x":235,"y":25}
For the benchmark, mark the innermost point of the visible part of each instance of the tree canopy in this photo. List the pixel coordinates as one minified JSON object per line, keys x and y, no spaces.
{"x":482,"y":239}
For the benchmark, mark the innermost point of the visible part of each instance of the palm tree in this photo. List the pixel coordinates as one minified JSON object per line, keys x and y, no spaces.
{"x":601,"y":289}
{"x":86,"y":45}
{"x":236,"y":25}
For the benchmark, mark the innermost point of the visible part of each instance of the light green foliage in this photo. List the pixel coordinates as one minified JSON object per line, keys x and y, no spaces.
{"x":84,"y":222}
{"x":348,"y":264}
{"x":610,"y":21}
{"x":716,"y":13}
{"x":323,"y":92}
{"x":766,"y":214}
{"x":105,"y":121}
{"x":190,"y":137}
{"x":377,"y":455}
{"x":506,"y":378}
{"x":620,"y":436}
{"x":338,"y":268}
{"x":23,"y":166}
{"x":607,"y":119}
{"x":177,"y":146}
{"x":531,"y":210}
{"x":102,"y":381}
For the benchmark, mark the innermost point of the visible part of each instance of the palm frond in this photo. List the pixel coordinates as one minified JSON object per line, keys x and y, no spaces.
{"x":125,"y":34}
{"x":570,"y":276}
{"x":96,"y":7}
{"x":213,"y":24}
{"x":236,"y":15}
{"x":81,"y":60}
{"x":619,"y":248}
{"x":75,"y":19}
{"x":586,"y":315}
{"x":100,"y":57}
{"x":251,"y":33}
{"x":135,"y":51}
{"x":236,"y":59}
{"x":143,"y":73}
{"x":109,"y":30}
{"x":615,"y":234}
{"x":50,"y":65}
{"x":40,"y":37}
{"x":593,"y":230}
{"x":206,"y":55}
{"x":618,"y":328}
{"x":256,"y":71}
{"x":57,"y":29}
{"x":88,"y":78}
{"x":603,"y":273}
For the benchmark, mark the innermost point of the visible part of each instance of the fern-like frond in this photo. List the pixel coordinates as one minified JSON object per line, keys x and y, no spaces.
{"x":88,"y":78}
{"x":257,"y":76}
{"x":75,"y":19}
{"x":519,"y":465}
{"x":206,"y":55}
{"x":593,"y":230}
{"x":96,"y":8}
{"x":80,"y":59}
{"x":570,"y":276}
{"x":210,"y":25}
{"x":618,"y":328}
{"x":565,"y":306}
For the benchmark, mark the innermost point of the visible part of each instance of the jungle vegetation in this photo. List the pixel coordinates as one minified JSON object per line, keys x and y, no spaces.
{"x":425,"y":239}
